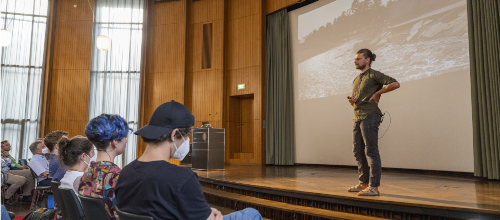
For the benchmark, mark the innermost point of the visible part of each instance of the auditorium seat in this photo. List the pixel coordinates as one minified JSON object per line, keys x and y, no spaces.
{"x":129,"y":216}
{"x":72,"y":205}
{"x":94,"y":208}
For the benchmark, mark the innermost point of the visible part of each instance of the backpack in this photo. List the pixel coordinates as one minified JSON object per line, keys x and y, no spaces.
{"x":40,"y":214}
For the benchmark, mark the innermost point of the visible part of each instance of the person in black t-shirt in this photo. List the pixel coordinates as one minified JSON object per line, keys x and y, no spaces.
{"x":152,"y":186}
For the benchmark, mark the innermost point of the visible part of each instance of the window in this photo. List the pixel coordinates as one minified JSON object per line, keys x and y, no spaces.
{"x":22,"y":72}
{"x":206,"y":60}
{"x":115,"y":73}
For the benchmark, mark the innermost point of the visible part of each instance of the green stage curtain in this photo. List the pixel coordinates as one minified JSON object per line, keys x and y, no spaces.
{"x":484,"y":41}
{"x":280,"y":129}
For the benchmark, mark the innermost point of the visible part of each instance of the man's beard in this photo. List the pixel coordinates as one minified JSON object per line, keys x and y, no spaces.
{"x":359,"y":67}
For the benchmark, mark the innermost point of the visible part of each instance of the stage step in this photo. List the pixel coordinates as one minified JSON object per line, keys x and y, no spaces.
{"x":275,"y":203}
{"x":273,"y":209}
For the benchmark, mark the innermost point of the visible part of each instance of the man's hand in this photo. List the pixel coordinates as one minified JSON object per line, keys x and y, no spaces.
{"x":24,"y":167}
{"x":375,"y":97}
{"x":217,"y":214}
{"x":45,"y":174}
{"x":352,"y":101}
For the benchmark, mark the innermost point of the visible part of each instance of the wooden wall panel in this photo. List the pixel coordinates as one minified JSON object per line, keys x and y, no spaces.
{"x":68,"y":75}
{"x":205,"y":87}
{"x":276,"y":5}
{"x":175,"y":60}
{"x":244,"y":64}
{"x":165,"y":71}
{"x":165,"y":75}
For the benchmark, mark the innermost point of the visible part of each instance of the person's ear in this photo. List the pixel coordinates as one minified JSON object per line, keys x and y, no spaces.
{"x":172,"y":136}
{"x":114,"y":143}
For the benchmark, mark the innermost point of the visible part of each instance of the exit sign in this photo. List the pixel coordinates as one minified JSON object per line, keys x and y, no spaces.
{"x":241,"y":86}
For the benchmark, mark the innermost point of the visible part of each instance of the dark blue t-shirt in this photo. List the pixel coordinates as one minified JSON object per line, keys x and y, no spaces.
{"x":56,"y":171}
{"x":161,"y":190}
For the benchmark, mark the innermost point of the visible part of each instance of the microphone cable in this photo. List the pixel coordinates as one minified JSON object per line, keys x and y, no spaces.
{"x":390,"y":120}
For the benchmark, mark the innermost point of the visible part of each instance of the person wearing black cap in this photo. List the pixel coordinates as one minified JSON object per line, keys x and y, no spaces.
{"x":152,"y":186}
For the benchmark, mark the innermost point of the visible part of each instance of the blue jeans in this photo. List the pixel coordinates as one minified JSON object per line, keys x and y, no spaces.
{"x":5,"y":215}
{"x":365,"y":139}
{"x":245,"y":214}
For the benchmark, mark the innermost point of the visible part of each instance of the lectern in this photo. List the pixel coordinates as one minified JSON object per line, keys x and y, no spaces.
{"x":208,"y":148}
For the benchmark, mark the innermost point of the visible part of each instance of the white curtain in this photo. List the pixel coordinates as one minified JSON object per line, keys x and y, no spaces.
{"x":21,"y":72}
{"x":115,"y":73}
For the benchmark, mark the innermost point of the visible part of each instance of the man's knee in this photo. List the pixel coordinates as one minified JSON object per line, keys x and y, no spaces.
{"x":20,"y":180}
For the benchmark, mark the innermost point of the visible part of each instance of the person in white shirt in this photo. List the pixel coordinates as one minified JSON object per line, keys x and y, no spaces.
{"x":39,"y":163}
{"x":75,"y":153}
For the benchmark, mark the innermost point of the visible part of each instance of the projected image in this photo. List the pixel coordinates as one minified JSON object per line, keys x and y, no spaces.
{"x":412,"y":39}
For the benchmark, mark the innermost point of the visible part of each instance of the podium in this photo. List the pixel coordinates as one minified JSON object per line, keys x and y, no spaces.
{"x":208,"y":150}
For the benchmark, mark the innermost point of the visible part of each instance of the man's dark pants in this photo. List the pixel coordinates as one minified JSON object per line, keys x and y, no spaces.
{"x":365,"y":139}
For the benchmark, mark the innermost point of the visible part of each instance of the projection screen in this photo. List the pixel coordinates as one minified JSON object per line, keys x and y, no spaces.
{"x":423,"y":44}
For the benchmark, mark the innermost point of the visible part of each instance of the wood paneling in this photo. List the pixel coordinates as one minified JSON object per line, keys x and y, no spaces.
{"x":68,"y":74}
{"x":205,"y":87}
{"x":244,"y":57}
{"x":165,"y":71}
{"x":174,"y":65}
{"x":275,"y":5}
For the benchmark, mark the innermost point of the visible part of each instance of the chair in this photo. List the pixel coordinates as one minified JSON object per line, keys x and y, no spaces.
{"x":23,"y":162}
{"x":129,"y":216}
{"x":54,"y":185}
{"x":4,"y":186}
{"x":72,"y":207}
{"x":94,"y":208}
{"x":37,"y":190}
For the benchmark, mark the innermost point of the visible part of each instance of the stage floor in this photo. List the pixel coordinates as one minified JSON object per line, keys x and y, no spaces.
{"x":421,"y":190}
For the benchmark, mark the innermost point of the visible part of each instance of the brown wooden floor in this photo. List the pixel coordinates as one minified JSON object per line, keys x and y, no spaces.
{"x":448,"y":192}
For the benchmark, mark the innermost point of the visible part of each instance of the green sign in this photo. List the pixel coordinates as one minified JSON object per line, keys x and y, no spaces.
{"x":241,"y":86}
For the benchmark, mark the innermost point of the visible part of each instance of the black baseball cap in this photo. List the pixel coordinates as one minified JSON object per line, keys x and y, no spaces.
{"x":167,"y":117}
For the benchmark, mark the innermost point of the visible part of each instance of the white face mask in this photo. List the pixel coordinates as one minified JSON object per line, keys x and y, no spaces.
{"x":93,"y":158}
{"x":45,"y":150}
{"x":182,"y":151}
{"x":88,"y":164}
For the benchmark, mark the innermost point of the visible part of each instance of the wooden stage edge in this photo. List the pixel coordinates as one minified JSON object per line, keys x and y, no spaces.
{"x":404,"y":194}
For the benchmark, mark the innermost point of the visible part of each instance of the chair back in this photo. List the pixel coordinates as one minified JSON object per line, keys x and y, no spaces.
{"x":35,"y":180}
{"x":72,"y":206}
{"x":94,"y":208}
{"x":129,"y":216}
{"x":23,"y":162}
{"x":54,"y":185}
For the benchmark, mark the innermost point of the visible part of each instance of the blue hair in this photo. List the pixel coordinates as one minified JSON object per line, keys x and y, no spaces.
{"x":106,"y":128}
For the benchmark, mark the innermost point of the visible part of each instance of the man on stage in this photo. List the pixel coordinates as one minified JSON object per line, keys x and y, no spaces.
{"x":366,"y":91}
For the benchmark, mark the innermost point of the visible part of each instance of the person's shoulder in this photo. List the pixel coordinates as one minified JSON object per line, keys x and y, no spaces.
{"x":181,"y":174}
{"x":372,"y":71}
{"x":107,"y":166}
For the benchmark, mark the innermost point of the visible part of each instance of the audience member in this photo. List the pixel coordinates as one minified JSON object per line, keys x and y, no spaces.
{"x":17,"y":178}
{"x":56,"y":171}
{"x":5,"y":153}
{"x":39,"y":163}
{"x":108,"y":133}
{"x":76,"y":154}
{"x":151,"y":186}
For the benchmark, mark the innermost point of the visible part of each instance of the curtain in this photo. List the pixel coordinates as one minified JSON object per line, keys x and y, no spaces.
{"x":115,"y":73}
{"x":280,"y":128}
{"x":22,"y":72}
{"x":484,"y":41}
